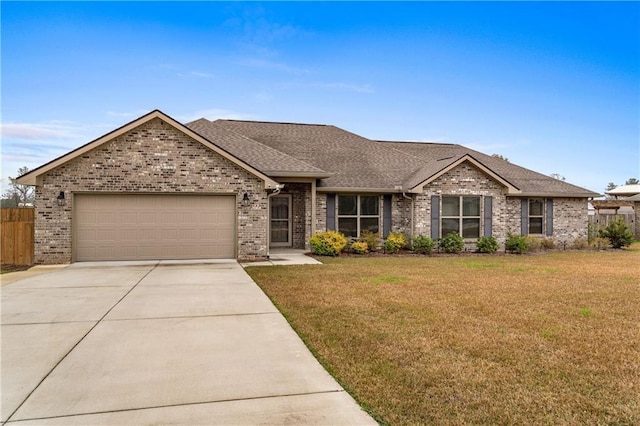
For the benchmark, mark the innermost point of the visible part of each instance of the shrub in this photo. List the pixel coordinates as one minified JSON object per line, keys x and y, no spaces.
{"x":371,"y":238}
{"x":395,"y":241}
{"x":422,"y":244}
{"x":517,"y":244}
{"x":600,"y":243}
{"x":580,"y":244}
{"x":617,"y":232}
{"x":359,"y":247}
{"x":487,"y":245}
{"x":329,"y":243}
{"x":593,"y":231}
{"x":548,"y":243}
{"x":452,"y":243}
{"x":533,"y":243}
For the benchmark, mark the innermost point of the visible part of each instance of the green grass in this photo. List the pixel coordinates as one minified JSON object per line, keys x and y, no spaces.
{"x":544,"y":339}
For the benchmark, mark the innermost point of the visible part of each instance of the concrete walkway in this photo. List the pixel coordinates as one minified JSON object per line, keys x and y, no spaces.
{"x":285,"y":257}
{"x":158,"y":343}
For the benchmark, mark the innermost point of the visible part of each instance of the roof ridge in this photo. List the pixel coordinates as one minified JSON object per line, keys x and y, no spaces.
{"x":419,"y":142}
{"x":273,"y":122}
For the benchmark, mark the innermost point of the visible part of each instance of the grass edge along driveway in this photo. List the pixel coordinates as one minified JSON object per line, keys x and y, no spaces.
{"x":551,"y":338}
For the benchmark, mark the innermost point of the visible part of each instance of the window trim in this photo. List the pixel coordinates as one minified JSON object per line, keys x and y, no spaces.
{"x":460,"y":217}
{"x":358,"y":216}
{"x":541,"y":216}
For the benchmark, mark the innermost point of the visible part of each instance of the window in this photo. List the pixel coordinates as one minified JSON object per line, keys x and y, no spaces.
{"x":536,"y":215}
{"x":358,"y":213}
{"x":462,"y":215}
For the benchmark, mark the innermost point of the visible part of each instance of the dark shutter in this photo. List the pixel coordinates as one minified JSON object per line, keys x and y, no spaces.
{"x":524,"y":218}
{"x":331,"y":212}
{"x":386,"y":215}
{"x":549,"y":217}
{"x":488,"y":216}
{"x":435,"y":217}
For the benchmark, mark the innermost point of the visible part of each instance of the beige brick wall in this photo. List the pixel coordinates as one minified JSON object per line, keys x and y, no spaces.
{"x":321,"y":212}
{"x":153,"y":157}
{"x":401,"y":215}
{"x":569,"y":219}
{"x":465,"y":179}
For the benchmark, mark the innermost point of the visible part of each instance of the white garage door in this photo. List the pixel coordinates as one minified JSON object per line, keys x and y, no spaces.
{"x":135,"y":227}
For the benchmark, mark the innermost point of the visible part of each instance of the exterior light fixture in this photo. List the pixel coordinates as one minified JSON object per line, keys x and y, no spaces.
{"x":61,"y":199}
{"x":245,"y":198}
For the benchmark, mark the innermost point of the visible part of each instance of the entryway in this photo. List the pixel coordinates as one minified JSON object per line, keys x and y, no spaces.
{"x":280,"y":221}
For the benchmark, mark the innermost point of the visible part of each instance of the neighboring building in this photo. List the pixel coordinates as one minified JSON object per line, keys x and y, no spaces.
{"x":159,"y":189}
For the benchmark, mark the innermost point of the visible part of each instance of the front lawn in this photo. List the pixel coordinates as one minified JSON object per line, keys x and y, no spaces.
{"x":504,"y":339}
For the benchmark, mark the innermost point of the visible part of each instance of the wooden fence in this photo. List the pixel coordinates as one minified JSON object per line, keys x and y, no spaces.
{"x":604,"y":219}
{"x":16,"y":236}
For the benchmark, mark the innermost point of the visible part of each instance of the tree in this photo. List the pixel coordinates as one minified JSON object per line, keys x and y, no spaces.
{"x":618,"y":233}
{"x":608,"y":188}
{"x":632,"y":181}
{"x":558,"y":176}
{"x":500,"y":157}
{"x":19,"y":195}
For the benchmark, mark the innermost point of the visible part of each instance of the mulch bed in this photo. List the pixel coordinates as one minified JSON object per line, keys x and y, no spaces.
{"x":5,"y":268}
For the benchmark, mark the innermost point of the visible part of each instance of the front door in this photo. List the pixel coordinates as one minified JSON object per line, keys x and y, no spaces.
{"x":280,"y":211}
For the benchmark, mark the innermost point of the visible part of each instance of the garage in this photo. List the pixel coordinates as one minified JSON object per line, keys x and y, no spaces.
{"x":150,"y":226}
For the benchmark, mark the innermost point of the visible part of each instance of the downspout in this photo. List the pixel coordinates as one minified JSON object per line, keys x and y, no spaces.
{"x":412,"y":209}
{"x":274,"y":193}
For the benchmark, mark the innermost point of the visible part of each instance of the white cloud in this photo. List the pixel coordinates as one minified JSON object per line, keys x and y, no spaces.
{"x":346,"y":86}
{"x":358,"y":88}
{"x":39,"y":131}
{"x":197,"y":74}
{"x":264,"y":64}
{"x":127,"y":114}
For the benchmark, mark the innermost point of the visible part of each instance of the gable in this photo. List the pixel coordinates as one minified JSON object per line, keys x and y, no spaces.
{"x":436,"y":169}
{"x":153,"y":157}
{"x":156,"y":117}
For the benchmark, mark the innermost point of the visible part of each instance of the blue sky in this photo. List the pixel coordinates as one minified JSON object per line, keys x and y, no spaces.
{"x":554,"y":87}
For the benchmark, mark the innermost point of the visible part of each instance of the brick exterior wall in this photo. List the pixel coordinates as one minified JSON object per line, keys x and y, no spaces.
{"x":152,"y":158}
{"x":569,"y":214}
{"x":401,"y":214}
{"x":570,"y":219}
{"x":321,"y":212}
{"x":465,"y":179}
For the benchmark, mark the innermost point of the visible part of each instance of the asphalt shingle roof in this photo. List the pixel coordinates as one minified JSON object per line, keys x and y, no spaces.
{"x":528,"y":181}
{"x":264,"y":158}
{"x":346,"y":161}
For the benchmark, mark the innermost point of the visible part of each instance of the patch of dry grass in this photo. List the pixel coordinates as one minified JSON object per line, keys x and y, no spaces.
{"x":542,"y":339}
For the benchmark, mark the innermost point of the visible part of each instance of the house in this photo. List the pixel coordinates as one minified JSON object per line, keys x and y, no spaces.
{"x":158,"y":189}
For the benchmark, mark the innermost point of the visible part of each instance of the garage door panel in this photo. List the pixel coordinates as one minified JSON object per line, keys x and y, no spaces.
{"x":129,"y":227}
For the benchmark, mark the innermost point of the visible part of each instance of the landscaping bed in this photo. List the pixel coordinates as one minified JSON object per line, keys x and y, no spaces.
{"x":6,"y":268}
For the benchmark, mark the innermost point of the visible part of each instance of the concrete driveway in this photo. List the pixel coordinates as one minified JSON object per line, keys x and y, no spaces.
{"x":158,"y":343}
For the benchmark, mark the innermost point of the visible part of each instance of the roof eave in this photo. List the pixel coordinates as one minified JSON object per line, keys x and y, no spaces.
{"x":282,"y":174}
{"x":558,"y":194}
{"x":351,"y":190}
